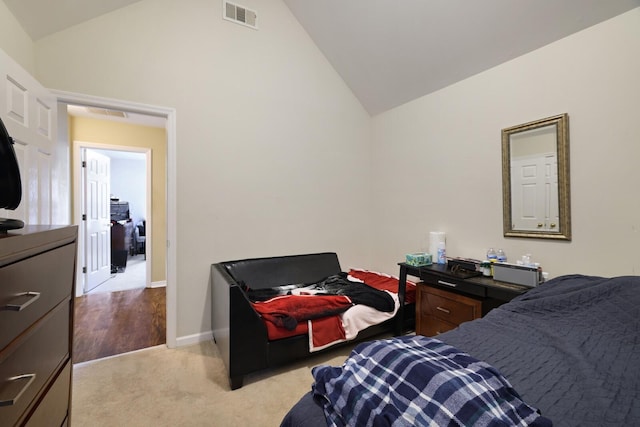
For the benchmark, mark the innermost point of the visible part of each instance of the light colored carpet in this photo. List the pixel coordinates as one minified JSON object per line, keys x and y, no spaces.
{"x":187,"y":386}
{"x":134,"y":276}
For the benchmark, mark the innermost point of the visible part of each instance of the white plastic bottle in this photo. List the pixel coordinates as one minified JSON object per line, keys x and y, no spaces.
{"x":442,"y":253}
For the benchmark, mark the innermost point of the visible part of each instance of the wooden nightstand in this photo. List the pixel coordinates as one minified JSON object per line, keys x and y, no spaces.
{"x":446,"y":299}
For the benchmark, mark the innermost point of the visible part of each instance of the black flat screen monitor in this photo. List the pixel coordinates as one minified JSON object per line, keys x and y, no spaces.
{"x":10,"y":184}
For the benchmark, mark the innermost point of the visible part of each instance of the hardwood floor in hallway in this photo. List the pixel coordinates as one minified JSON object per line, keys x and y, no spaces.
{"x":107,"y":324}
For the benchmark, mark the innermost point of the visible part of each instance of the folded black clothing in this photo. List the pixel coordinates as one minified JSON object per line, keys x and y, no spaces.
{"x":358,"y":292}
{"x":337,"y":284}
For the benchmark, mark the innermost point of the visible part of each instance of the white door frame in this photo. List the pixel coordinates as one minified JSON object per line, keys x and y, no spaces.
{"x":170,"y":115}
{"x":78,"y":197}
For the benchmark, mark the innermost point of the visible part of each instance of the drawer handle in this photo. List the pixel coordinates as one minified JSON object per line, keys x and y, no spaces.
{"x":19,"y":307}
{"x":444,"y":310}
{"x":30,"y":377}
{"x":442,"y":282}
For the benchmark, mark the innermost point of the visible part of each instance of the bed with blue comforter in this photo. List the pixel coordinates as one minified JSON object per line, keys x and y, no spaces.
{"x":566,"y":353}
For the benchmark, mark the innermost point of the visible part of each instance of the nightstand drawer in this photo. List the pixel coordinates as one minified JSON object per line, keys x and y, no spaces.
{"x":434,"y":326}
{"x":458,"y":285}
{"x":451,"y":310}
{"x":438,"y":311}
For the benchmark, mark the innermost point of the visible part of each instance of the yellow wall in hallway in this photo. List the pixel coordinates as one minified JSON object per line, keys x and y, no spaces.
{"x":127,"y":135}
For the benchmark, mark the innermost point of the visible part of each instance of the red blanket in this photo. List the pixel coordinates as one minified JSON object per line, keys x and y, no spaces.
{"x":288,"y":310}
{"x":323,"y":331}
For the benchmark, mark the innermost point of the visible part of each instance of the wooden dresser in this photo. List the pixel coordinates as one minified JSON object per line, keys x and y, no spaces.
{"x":37,"y":285}
{"x":445,"y":299}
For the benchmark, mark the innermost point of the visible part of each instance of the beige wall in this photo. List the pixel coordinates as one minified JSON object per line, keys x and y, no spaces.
{"x":272,"y":146}
{"x":15,"y":41}
{"x":276,"y":156}
{"x":126,"y":135}
{"x":438,"y":158}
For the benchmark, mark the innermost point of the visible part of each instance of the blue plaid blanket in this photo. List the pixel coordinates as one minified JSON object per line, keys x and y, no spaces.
{"x":418,"y":381}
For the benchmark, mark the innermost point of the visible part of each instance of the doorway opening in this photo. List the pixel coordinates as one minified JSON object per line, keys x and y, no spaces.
{"x":113,"y":199}
{"x":167,"y":182}
{"x":115,"y":254}
{"x":117,"y":161}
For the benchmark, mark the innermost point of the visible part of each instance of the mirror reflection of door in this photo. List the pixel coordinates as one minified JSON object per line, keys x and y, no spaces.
{"x":534,"y":180}
{"x":534,"y":194}
{"x":98,"y":218}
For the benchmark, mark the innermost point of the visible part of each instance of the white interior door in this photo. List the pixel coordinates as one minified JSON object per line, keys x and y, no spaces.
{"x":97,"y":218}
{"x":29,"y":113}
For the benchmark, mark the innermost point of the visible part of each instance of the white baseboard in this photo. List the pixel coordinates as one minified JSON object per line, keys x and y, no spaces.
{"x":159,"y":284}
{"x":194,"y":339}
{"x":89,"y":362}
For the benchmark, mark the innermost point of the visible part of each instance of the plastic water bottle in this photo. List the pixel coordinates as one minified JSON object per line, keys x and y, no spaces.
{"x":501,"y":256}
{"x":442,"y":253}
{"x":492,"y":255}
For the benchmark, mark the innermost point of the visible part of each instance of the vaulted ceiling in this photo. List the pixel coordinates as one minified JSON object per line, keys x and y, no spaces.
{"x":390,"y":52}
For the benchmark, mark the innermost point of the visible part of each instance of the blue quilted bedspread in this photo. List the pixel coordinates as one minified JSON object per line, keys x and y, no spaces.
{"x":571,"y":347}
{"x":418,"y":381}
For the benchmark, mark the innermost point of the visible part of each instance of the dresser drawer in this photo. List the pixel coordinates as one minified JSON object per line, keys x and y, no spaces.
{"x":54,"y":408}
{"x":29,"y":363}
{"x":31,"y":288}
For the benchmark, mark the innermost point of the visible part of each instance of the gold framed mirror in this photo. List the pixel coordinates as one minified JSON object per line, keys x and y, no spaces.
{"x":535,"y":179}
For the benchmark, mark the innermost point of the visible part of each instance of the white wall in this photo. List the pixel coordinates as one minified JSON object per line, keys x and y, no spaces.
{"x":15,"y":41}
{"x":273,"y":152}
{"x":272,"y":147}
{"x":437,"y":160}
{"x":129,"y":184}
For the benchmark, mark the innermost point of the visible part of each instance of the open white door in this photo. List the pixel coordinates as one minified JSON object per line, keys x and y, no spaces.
{"x":29,"y":113}
{"x":97,"y":218}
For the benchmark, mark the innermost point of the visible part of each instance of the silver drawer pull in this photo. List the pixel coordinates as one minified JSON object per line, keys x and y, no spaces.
{"x":444,"y":310}
{"x":30,"y":377}
{"x":442,"y":282}
{"x":19,"y":307}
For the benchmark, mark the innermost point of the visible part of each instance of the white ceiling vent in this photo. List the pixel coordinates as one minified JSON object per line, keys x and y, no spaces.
{"x":239,"y":14}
